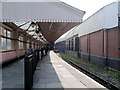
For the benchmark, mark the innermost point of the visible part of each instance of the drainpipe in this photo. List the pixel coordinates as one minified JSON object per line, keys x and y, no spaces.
{"x":106,"y":46}
{"x":118,"y":41}
{"x":103,"y":48}
{"x":88,"y":46}
{"x":119,"y":37}
{"x":79,"y":47}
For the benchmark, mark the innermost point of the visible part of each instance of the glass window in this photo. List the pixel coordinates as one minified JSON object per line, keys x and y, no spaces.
{"x":21,"y":42}
{"x":8,"y":44}
{"x":5,"y":41}
{"x":72,"y":44}
{"x":4,"y":32}
{"x":8,"y":34}
{"x":32,"y":45}
{"x":1,"y":30}
{"x":28,"y":45}
{"x":20,"y":45}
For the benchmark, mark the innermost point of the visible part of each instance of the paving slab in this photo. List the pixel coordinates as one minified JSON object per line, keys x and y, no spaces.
{"x":13,"y":75}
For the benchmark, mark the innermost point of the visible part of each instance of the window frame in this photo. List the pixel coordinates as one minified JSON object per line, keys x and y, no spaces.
{"x":21,"y":43}
{"x":4,"y":37}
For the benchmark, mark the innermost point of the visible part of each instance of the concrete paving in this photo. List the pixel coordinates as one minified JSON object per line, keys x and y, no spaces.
{"x":53,"y":72}
{"x":13,"y":75}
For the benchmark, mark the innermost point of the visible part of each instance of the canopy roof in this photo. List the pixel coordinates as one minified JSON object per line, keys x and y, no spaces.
{"x":52,"y":16}
{"x":39,"y":12}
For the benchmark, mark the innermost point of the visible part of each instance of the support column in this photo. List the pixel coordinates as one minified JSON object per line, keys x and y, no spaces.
{"x":88,"y":46}
{"x":0,"y":36}
{"x":119,"y":37}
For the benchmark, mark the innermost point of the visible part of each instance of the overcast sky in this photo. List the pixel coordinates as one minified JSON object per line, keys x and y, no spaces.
{"x":90,"y":6}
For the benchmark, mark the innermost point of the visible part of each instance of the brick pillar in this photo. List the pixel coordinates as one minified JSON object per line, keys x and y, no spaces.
{"x":15,"y":43}
{"x":25,"y":41}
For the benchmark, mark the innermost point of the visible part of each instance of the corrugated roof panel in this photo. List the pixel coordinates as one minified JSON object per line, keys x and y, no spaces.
{"x":39,"y":12}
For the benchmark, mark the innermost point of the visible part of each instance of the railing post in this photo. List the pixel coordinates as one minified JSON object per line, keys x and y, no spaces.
{"x":38,"y":56}
{"x":42,"y":53}
{"x":28,"y":73}
{"x":30,"y":63}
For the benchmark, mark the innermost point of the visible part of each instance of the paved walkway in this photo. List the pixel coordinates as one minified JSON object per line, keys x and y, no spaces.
{"x":13,"y":75}
{"x":53,"y":72}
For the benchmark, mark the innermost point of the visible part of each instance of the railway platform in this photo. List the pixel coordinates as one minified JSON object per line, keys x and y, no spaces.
{"x":53,"y":72}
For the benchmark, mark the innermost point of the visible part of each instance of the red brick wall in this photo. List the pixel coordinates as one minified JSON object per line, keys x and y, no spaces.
{"x":8,"y":55}
{"x":96,"y":43}
{"x":83,"y":44}
{"x":21,"y":53}
{"x":113,"y":43}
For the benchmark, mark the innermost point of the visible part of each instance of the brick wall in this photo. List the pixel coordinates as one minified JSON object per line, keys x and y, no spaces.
{"x":95,"y":47}
{"x":113,"y":43}
{"x":6,"y":56}
{"x":83,"y":44}
{"x":96,"y":43}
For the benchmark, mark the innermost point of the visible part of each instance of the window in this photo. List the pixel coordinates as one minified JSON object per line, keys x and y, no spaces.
{"x":67,"y":44}
{"x":3,"y":43}
{"x":21,"y":42}
{"x":72,"y":43}
{"x":8,"y":40}
{"x":8,"y":34}
{"x":5,"y":39}
{"x":36,"y":46}
{"x":8,"y":44}
{"x":28,"y":45}
{"x":32,"y":44}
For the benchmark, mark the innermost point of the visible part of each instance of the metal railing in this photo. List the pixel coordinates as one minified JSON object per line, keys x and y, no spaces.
{"x":30,"y":64}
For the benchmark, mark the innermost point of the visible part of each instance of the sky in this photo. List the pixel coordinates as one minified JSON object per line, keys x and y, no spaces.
{"x":89,"y":6}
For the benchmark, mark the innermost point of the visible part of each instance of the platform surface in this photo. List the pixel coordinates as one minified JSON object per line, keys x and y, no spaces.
{"x":53,"y":72}
{"x":13,"y":75}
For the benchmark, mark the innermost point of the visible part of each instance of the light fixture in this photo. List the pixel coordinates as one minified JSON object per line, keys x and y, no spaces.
{"x":33,"y":24}
{"x":37,"y":30}
{"x":40,"y":35}
{"x":42,"y":38}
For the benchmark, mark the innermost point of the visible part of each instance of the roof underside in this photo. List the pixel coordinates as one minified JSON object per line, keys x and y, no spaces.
{"x":54,"y":18}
